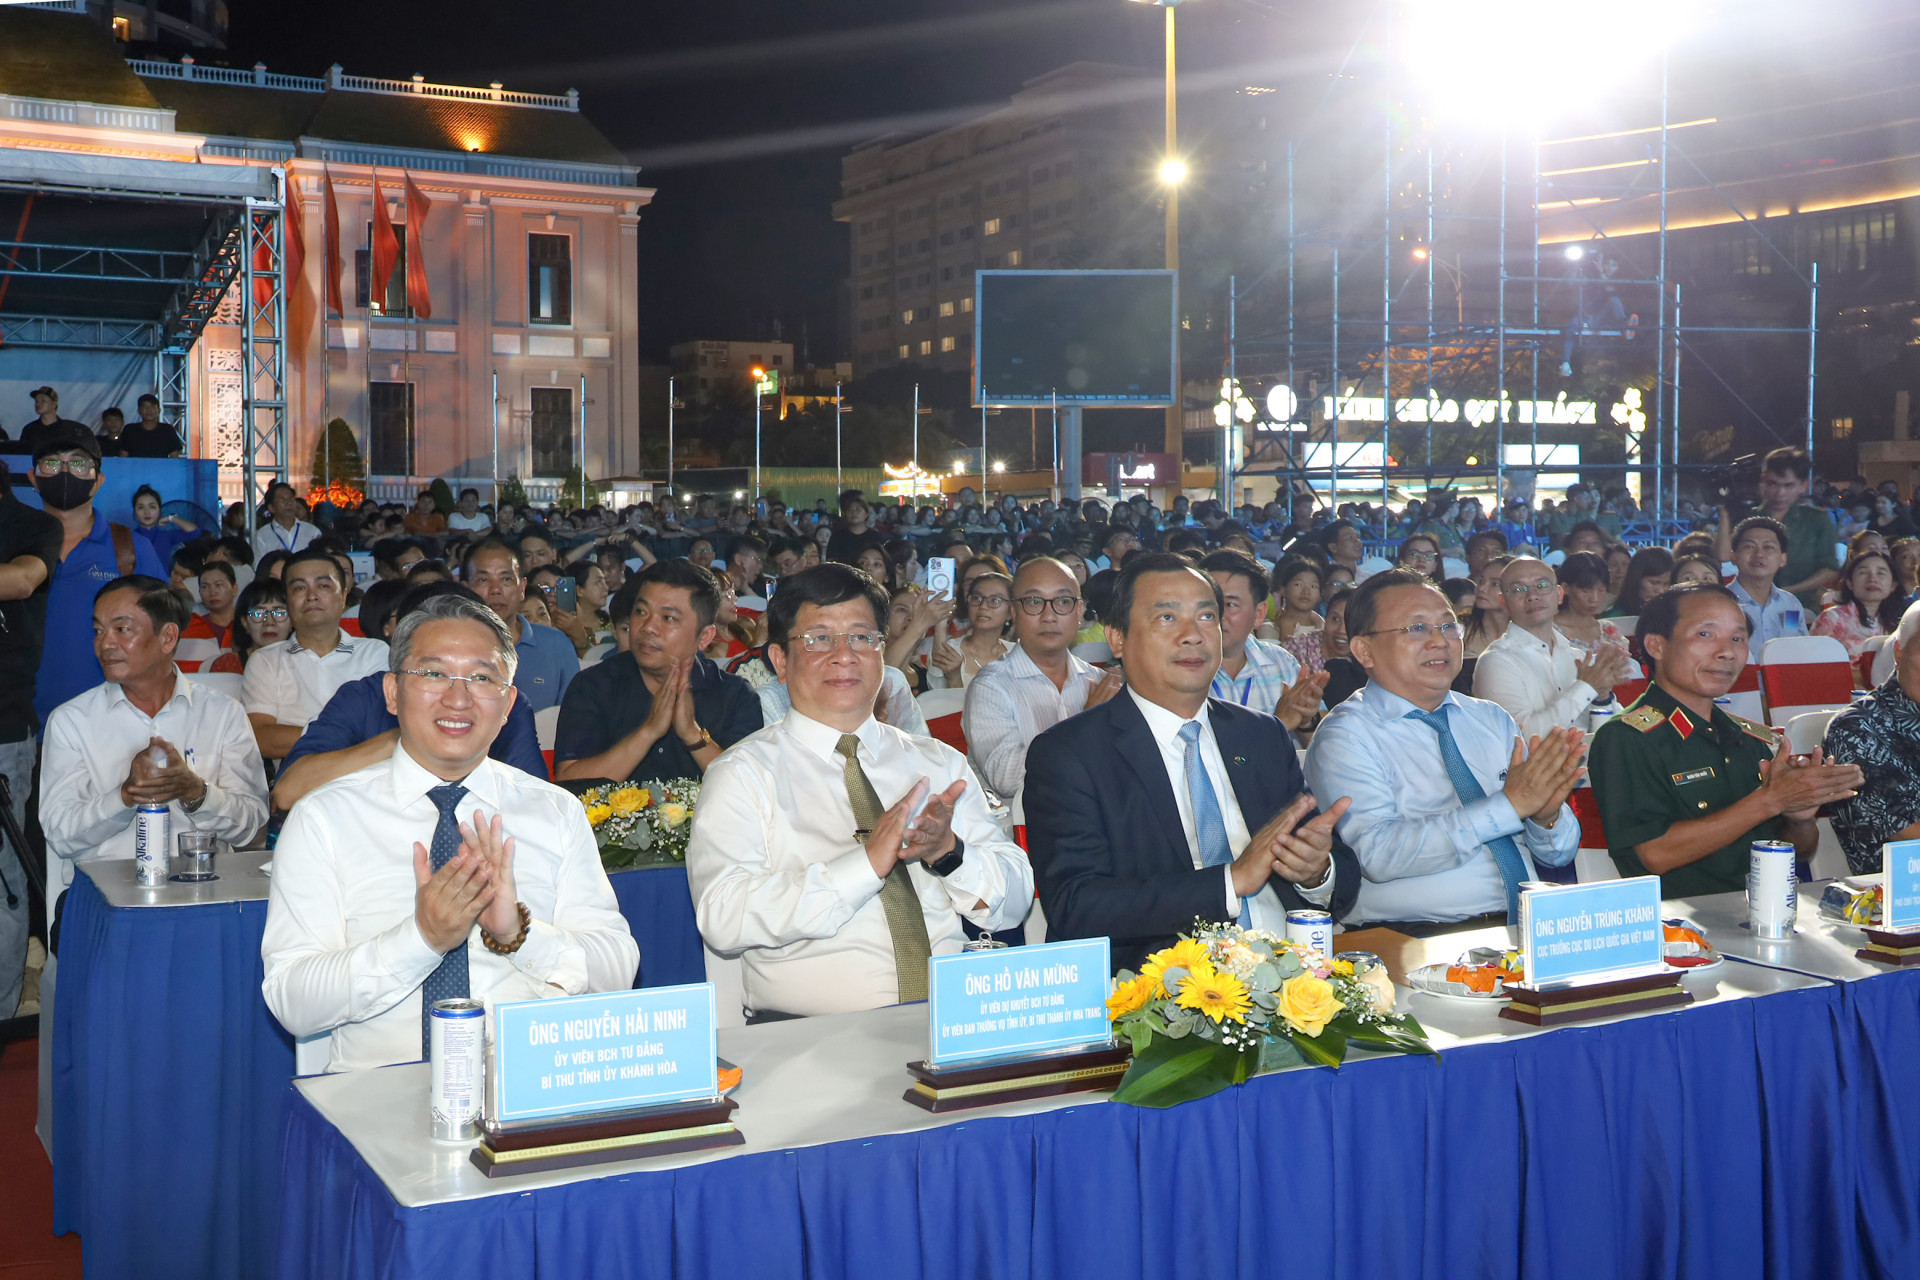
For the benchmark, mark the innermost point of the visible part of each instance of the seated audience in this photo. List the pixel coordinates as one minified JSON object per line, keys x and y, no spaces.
{"x":1533,"y":670}
{"x":1452,"y":807}
{"x":425,"y":520}
{"x":804,"y":860}
{"x":163,"y":533}
{"x":288,"y":682}
{"x":1164,"y":806}
{"x":547,"y":660}
{"x":261,"y":619}
{"x":1867,"y":606}
{"x":1260,"y":674}
{"x":436,"y":873}
{"x":1685,"y":788}
{"x":467,"y":514}
{"x":146,"y":736}
{"x":1297,"y":584}
{"x":1649,"y":572}
{"x":660,"y":710}
{"x":989,"y":604}
{"x":1037,"y":685}
{"x":1880,"y":735}
{"x":286,"y":531}
{"x":1759,"y":554}
{"x":214,"y":620}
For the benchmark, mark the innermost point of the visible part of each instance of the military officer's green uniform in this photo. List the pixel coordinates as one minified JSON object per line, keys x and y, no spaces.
{"x":1656,"y":764}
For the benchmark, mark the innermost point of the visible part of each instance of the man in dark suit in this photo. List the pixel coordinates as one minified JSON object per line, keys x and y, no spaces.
{"x":1164,"y":806}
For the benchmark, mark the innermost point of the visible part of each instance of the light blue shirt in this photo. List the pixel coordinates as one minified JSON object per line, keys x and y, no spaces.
{"x":547,"y":665}
{"x":1423,"y":854}
{"x":1781,"y":615}
{"x":1269,"y":669}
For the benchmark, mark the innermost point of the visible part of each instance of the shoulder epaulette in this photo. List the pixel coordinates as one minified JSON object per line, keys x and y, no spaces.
{"x":1645,"y":719}
{"x":1754,"y":729}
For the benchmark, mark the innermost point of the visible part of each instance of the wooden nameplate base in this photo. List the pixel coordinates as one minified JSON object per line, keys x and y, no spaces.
{"x":1595,"y":1000}
{"x":1897,"y":949}
{"x":989,"y":1083}
{"x":506,"y":1150}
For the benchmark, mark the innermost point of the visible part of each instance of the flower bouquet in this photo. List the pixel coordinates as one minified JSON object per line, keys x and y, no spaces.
{"x":1224,"y":1002}
{"x":638,"y":826}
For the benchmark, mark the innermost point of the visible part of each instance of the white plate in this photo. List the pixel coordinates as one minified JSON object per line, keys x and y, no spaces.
{"x":1454,"y":996}
{"x":1683,"y":969}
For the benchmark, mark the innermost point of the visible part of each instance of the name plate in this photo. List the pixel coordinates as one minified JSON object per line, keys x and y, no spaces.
{"x":1580,"y":933}
{"x":579,"y":1055}
{"x":1015,"y":1001}
{"x":1900,"y":911}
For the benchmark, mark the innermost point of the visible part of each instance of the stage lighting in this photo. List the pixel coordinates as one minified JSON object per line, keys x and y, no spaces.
{"x":1173,"y":171}
{"x":1575,"y":253}
{"x":1420,"y":254}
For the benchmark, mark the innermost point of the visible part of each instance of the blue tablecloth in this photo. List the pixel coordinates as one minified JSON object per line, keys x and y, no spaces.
{"x":169,"y":1079}
{"x":1772,"y":1137}
{"x":659,"y":908}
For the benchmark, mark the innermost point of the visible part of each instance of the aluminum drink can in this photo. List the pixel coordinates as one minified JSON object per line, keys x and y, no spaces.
{"x":1773,"y":891}
{"x":457,"y":1052}
{"x":1310,"y":928}
{"x":151,"y":844}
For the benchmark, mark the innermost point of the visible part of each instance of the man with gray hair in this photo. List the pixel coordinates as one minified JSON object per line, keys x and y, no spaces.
{"x":1881,"y":734}
{"x":437,"y":873}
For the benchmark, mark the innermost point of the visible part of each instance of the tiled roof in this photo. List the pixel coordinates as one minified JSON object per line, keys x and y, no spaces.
{"x":439,"y":124}
{"x":48,"y":54}
{"x":279,"y":115}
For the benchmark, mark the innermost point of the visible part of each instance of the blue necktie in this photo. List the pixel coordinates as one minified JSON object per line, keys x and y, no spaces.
{"x":449,"y":981}
{"x":1207,"y":822}
{"x":1513,"y":868}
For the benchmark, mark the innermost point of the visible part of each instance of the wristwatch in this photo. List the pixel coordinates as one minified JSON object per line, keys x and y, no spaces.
{"x":951,"y":863}
{"x":193,"y":806}
{"x":701,"y":743}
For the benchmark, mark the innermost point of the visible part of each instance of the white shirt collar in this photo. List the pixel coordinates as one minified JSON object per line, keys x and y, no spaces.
{"x":823,"y":740}
{"x":1521,"y":638}
{"x":1391,"y":706}
{"x":1025,"y":668}
{"x":1163,"y":724}
{"x":1261,"y":653}
{"x":182,"y":688}
{"x":412,"y":780}
{"x":343,"y":645}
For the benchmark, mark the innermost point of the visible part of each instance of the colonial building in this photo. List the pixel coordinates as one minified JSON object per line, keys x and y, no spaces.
{"x":523,"y":346}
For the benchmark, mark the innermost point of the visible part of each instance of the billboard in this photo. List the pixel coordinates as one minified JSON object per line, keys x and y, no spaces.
{"x":1104,"y":339}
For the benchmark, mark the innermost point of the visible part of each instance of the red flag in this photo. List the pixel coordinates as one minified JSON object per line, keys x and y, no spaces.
{"x":386,"y":246}
{"x":330,"y":228}
{"x":299,"y":313}
{"x":417,"y":206}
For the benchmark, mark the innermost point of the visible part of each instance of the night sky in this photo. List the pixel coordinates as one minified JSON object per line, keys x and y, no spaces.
{"x":739,"y":111}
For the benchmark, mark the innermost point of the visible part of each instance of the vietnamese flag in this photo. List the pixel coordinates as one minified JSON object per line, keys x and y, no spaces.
{"x":330,"y":228}
{"x":417,"y":206}
{"x":386,"y":246}
{"x":299,"y":314}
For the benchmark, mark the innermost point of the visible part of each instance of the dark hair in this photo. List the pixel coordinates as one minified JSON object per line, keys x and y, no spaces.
{"x":749,"y":544}
{"x":474,"y":492}
{"x":1789,"y":459}
{"x":145,"y":490}
{"x":1890,"y":609}
{"x":535,"y":532}
{"x":189,"y":554}
{"x":1454,"y":588}
{"x":262,"y":590}
{"x":1153,"y":562}
{"x":850,"y":496}
{"x":1647,"y":562}
{"x":313,"y":551}
{"x":1586,"y":526}
{"x":388,"y":551}
{"x":1039,"y":544}
{"x":1240,"y":563}
{"x":1400,"y":555}
{"x":1292,"y":567}
{"x":1363,"y":606}
{"x":1477,"y":620}
{"x":823,"y":586}
{"x":1696,"y":557}
{"x":1181,"y":540}
{"x":702,"y":588}
{"x":1489,"y":535}
{"x":1663,"y":611}
{"x":221,"y":566}
{"x":488,"y":544}
{"x":1097,"y":591}
{"x":791,"y":545}
{"x":1760,"y":522}
{"x":146,"y":396}
{"x":157,"y":599}
{"x":238,"y":549}
{"x":621,"y":604}
{"x":429,"y":568}
{"x":1583,"y":569}
{"x":553,"y":569}
{"x":381,"y":603}
{"x":419,"y":593}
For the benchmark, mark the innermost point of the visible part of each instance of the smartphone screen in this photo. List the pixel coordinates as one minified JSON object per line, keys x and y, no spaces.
{"x":566,"y":595}
{"x":940,"y":574}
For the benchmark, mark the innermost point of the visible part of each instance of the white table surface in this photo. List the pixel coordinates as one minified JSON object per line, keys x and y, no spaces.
{"x":241,"y":880}
{"x":829,"y":1079}
{"x":1823,"y":948}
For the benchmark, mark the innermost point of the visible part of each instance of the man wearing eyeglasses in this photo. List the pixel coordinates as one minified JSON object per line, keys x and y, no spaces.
{"x":288,"y":682}
{"x":808,"y":858}
{"x":93,"y":552}
{"x":1452,"y":805}
{"x":436,"y":873}
{"x":1533,"y":670}
{"x":1039,"y":683}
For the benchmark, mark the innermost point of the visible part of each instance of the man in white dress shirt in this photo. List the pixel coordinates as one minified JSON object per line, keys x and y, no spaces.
{"x":805,"y":858}
{"x":385,"y":900}
{"x":286,"y":531}
{"x":1452,"y":805}
{"x":289,"y":681}
{"x":1039,"y":683}
{"x":1257,"y":674}
{"x":99,"y":766}
{"x":1533,"y":670}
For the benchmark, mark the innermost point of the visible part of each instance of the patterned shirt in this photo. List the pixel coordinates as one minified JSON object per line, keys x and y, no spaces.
{"x":1881,"y":734}
{"x":1269,"y":669}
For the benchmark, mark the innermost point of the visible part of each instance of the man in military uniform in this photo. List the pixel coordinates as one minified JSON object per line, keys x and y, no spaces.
{"x":1683,"y":787}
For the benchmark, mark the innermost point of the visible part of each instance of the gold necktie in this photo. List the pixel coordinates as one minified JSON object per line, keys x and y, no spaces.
{"x":905,"y":922}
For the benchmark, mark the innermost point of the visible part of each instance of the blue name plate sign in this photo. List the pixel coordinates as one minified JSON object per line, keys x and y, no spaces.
{"x":579,"y":1055}
{"x":1900,"y":911}
{"x":1581,"y":933}
{"x":1013,"y":1001}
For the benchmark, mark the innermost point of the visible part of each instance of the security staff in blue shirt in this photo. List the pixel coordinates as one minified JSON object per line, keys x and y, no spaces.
{"x":93,"y":552}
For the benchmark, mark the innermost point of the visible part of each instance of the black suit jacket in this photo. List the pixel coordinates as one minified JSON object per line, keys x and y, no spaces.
{"x":1109,"y":854}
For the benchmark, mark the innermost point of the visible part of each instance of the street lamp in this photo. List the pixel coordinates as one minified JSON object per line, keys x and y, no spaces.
{"x":1173,"y":172}
{"x":759,"y":381}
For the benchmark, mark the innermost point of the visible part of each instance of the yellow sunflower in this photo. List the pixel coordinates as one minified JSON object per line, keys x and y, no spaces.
{"x":1128,"y":996}
{"x":1184,"y":954}
{"x":1220,"y":996}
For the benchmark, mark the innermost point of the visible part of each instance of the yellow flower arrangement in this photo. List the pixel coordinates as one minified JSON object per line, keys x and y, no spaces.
{"x":636,"y":825}
{"x":673,"y":815}
{"x":1342,"y":967}
{"x":598,"y":814}
{"x":1219,"y":996}
{"x":1308,"y":1004}
{"x":629,"y":799}
{"x":1128,"y":996}
{"x":1184,"y":954}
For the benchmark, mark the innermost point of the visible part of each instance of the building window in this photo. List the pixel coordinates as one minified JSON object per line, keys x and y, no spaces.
{"x":993,"y":188}
{"x":946,"y":238}
{"x":923,"y":245}
{"x":396,"y":300}
{"x":778,"y":359}
{"x":991,"y":227}
{"x":966,"y":305}
{"x":966,"y":232}
{"x":946,"y":344}
{"x":946,"y":274}
{"x":991,"y":261}
{"x":549,"y":279}
{"x":553,"y":427}
{"x":903,"y":351}
{"x":926,"y":346}
{"x":122,"y":29}
{"x":1013,"y":258}
{"x":925,"y":279}
{"x":1849,"y":240}
{"x":866,"y":293}
{"x":390,"y":432}
{"x":946,"y":309}
{"x":906,"y":317}
{"x":1843,"y":428}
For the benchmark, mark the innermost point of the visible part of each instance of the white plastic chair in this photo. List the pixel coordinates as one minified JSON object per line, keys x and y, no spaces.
{"x":1804,"y":673}
{"x":1809,"y":729}
{"x":1097,"y":652}
{"x":194,"y":653}
{"x":231,"y":683}
{"x":1626,"y":626}
{"x":546,"y":724}
{"x":594,"y":656}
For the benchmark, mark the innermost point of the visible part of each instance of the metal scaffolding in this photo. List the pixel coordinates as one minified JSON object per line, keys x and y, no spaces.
{"x":263,"y":325}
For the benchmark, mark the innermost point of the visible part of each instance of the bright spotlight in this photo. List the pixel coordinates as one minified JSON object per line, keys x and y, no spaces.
{"x":1575,"y":253}
{"x":1420,"y":253}
{"x":1173,"y":171}
{"x":999,"y":468}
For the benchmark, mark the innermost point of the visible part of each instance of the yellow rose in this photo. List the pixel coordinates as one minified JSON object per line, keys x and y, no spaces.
{"x":598,"y":813}
{"x":1128,"y":996}
{"x":1308,"y":1003}
{"x":673,"y":815}
{"x":627,"y":800}
{"x":1342,"y":967}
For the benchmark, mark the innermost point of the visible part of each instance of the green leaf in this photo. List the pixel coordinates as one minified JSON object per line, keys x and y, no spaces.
{"x":1328,"y":1049}
{"x":1277,"y":1054}
{"x":1169,"y":1072}
{"x":1265,"y":977}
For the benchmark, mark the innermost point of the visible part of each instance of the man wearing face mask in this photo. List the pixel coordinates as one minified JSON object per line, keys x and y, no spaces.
{"x":93,"y":552}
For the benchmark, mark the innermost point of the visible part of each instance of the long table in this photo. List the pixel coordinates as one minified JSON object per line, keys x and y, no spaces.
{"x":1748,"y":1134}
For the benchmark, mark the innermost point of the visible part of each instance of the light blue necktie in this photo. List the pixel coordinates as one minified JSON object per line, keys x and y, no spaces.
{"x":1513,"y":868}
{"x":449,"y":980}
{"x":1207,"y":822}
